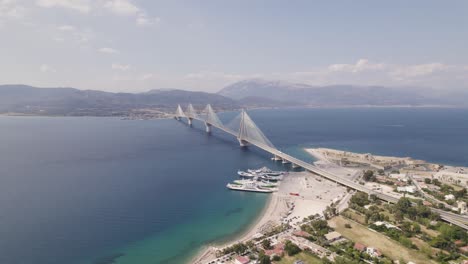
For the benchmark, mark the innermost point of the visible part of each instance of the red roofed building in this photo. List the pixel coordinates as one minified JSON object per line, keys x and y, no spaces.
{"x":301,"y":234}
{"x":242,"y":260}
{"x":277,"y":250}
{"x":426,"y":203}
{"x":464,"y":249}
{"x":359,"y":246}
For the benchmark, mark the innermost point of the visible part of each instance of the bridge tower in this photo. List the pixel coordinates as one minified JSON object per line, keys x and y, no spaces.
{"x":179,"y":113}
{"x":243,"y":133}
{"x":211,"y":118}
{"x":191,"y":114}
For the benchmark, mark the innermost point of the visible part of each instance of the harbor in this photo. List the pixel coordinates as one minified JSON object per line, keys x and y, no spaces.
{"x":262,"y":180}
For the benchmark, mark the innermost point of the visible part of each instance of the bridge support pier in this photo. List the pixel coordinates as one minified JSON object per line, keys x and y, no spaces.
{"x":208,"y":127}
{"x":243,"y":143}
{"x":276,"y":158}
{"x":190,"y":121}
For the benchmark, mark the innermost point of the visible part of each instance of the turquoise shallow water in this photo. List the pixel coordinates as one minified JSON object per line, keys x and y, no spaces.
{"x":81,"y":190}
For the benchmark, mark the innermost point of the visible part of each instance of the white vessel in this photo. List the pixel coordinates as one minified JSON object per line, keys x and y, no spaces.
{"x":260,"y":183}
{"x":245,"y":174}
{"x":248,"y":187}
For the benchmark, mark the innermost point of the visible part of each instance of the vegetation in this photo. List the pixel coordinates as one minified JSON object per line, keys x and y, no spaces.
{"x":264,"y":259}
{"x":266,"y":244}
{"x":369,"y":176}
{"x":238,"y":248}
{"x":291,"y":248}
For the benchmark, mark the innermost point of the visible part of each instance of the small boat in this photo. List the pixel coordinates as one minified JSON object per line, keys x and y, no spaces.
{"x":245,"y":174}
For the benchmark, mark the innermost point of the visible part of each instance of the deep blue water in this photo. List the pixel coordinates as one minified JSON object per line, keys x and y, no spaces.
{"x":75,"y":190}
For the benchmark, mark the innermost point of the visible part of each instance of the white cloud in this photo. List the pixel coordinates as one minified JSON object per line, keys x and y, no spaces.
{"x":66,"y":28}
{"x":120,"y":67}
{"x":83,"y":6}
{"x":46,"y":68}
{"x":144,"y":20}
{"x":146,"y":76}
{"x":12,"y":10}
{"x":122,"y":7}
{"x":127,"y":8}
{"x":108,"y":50}
{"x":361,"y":65}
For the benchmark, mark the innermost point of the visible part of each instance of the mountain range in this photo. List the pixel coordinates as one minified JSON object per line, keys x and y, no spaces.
{"x":249,"y":94}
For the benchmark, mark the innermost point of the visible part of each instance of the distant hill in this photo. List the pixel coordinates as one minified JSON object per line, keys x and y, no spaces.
{"x":69,"y":101}
{"x":25,"y":99}
{"x":291,"y":94}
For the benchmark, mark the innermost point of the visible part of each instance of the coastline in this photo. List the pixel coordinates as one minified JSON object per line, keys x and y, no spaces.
{"x":269,"y":213}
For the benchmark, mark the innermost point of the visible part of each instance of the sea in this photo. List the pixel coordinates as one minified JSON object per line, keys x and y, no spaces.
{"x":88,"y":190}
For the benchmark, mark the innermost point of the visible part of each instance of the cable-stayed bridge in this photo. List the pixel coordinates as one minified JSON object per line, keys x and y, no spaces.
{"x":247,"y":133}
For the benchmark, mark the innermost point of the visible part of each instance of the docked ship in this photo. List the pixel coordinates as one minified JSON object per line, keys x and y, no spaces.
{"x":248,"y":187}
{"x":264,"y":171}
{"x":245,"y":174}
{"x":261,"y":183}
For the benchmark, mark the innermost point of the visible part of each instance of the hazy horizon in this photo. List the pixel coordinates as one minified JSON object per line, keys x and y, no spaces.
{"x":136,"y":45}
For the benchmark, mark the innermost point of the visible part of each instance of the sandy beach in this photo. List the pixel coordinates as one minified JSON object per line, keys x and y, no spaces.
{"x":312,"y":195}
{"x":270,"y":216}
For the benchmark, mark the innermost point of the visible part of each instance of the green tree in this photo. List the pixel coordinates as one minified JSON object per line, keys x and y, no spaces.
{"x":291,"y":248}
{"x":360,"y":199}
{"x":266,"y":244}
{"x":369,"y":176}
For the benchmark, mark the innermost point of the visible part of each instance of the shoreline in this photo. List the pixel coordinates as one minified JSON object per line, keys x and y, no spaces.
{"x":266,"y":215}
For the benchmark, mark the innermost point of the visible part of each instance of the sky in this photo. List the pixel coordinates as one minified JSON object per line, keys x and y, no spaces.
{"x":139,"y":45}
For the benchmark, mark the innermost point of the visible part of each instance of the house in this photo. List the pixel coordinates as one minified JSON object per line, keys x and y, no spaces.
{"x":459,"y":243}
{"x":426,"y":203}
{"x":464,"y":249}
{"x":359,"y":246}
{"x":301,"y":233}
{"x":449,"y":197}
{"x":408,"y":189}
{"x":399,"y":176}
{"x":241,"y":260}
{"x":373,"y":252}
{"x":332,"y":236}
{"x":277,"y":250}
{"x":462,"y":206}
{"x":386,"y":224}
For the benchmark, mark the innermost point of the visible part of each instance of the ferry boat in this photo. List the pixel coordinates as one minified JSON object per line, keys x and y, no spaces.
{"x":265,"y":171}
{"x":248,"y":187}
{"x":271,"y":178}
{"x":245,"y":174}
{"x":260,"y":183}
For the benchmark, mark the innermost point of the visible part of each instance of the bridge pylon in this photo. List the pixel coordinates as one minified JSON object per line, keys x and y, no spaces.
{"x":191,"y":114}
{"x":211,"y":118}
{"x":179,"y":113}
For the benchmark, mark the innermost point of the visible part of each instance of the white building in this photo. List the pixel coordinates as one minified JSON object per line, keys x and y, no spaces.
{"x":399,"y":176}
{"x":373,"y":252}
{"x":408,"y":189}
{"x":461,"y":205}
{"x":449,"y":197}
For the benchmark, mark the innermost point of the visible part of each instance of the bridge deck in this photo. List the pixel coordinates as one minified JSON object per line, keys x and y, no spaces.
{"x":453,"y":218}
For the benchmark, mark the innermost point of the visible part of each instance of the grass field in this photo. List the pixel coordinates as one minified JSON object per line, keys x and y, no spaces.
{"x":390,"y":248}
{"x":306,"y":257}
